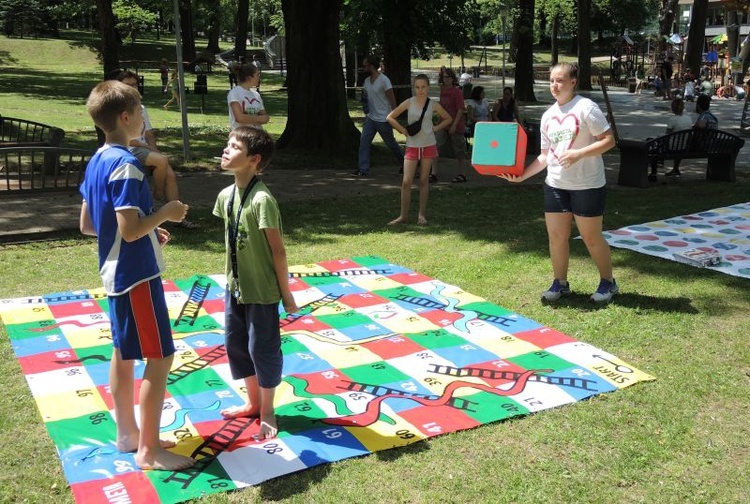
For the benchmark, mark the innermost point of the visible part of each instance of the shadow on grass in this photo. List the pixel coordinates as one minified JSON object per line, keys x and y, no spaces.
{"x":52,"y":87}
{"x":7,"y":59}
{"x":632,"y":300}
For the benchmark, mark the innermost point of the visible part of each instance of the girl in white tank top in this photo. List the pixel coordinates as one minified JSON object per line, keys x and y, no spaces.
{"x":420,"y":148}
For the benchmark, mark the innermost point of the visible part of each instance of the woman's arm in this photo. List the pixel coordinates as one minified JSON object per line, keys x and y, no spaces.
{"x":446,"y":120}
{"x":261,"y":118}
{"x":603,"y":143}
{"x":393,"y":114}
{"x":470,"y":115}
{"x":516,"y":112}
{"x":539,"y":164}
{"x":461,"y":107}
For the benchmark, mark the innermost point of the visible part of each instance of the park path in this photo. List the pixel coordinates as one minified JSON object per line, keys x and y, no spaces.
{"x":29,"y":217}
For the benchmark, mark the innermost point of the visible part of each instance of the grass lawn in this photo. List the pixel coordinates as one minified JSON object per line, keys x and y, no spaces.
{"x":683,"y":438}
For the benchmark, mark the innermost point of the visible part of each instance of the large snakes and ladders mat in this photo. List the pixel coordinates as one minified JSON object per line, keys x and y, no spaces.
{"x":378,"y":357}
{"x":722,"y":232}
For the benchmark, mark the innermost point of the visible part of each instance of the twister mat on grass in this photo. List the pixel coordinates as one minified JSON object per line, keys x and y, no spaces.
{"x":724,"y":230}
{"x":379,"y":356}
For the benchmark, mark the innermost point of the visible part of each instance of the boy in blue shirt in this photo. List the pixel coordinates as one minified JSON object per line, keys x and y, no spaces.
{"x":257,"y":276}
{"x":117,"y":208}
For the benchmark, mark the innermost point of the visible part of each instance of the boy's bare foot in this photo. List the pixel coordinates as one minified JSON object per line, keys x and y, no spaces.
{"x":127,"y":444}
{"x":268,"y":427}
{"x":397,"y":221}
{"x":422,"y":221}
{"x":246,"y":411}
{"x":163,"y":460}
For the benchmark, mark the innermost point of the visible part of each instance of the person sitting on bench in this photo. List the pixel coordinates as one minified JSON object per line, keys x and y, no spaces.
{"x":677,"y":122}
{"x":145,"y":150}
{"x":705,"y":120}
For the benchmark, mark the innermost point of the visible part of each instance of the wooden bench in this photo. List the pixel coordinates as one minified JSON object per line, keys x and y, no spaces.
{"x":718,"y":147}
{"x":40,"y":168}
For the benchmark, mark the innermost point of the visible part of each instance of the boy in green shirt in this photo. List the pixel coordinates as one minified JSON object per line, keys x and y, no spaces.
{"x":257,"y":276}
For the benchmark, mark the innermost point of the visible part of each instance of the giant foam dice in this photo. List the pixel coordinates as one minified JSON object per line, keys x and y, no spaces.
{"x":499,"y":147}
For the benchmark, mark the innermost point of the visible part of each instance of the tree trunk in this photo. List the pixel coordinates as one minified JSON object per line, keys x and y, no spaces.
{"x":318,"y":118}
{"x":745,"y":55}
{"x":696,"y":35}
{"x":513,"y":45}
{"x":397,"y":46}
{"x":554,"y":40}
{"x":352,"y":65}
{"x":667,"y":14}
{"x":240,"y":38}
{"x":584,"y":45}
{"x":110,"y":47}
{"x":188,"y":34}
{"x":214,"y":27}
{"x":731,"y":22}
{"x":525,"y":56}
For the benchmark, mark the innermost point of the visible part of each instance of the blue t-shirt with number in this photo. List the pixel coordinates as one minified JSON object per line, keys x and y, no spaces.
{"x":116,"y":181}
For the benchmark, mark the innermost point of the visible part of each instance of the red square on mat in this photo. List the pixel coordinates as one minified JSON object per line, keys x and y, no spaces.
{"x":409,"y":278}
{"x":131,"y":486}
{"x":79,"y":308}
{"x":437,"y":420}
{"x":544,"y":337}
{"x":441,"y":318}
{"x":340,"y":264}
{"x":393,"y":347}
{"x":362,"y":299}
{"x":296,"y":285}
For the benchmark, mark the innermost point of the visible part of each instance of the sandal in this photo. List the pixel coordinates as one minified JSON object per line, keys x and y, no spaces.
{"x":184,"y":223}
{"x":459,"y":178}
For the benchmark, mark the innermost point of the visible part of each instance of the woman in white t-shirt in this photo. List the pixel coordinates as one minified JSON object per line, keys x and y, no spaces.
{"x":245,"y":104}
{"x":575,"y":134}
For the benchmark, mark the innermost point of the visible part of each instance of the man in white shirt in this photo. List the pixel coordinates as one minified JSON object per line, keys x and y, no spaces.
{"x":380,"y":101}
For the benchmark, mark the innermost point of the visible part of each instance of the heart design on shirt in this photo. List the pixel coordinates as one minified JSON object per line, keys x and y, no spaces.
{"x":569,"y":128}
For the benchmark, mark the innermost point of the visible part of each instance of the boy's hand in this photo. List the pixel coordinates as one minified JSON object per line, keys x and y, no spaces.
{"x":175,"y":210}
{"x":290,"y":305}
{"x":163,"y":236}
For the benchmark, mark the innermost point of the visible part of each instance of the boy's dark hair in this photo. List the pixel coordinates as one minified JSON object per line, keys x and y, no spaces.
{"x":703,"y":101}
{"x":255,"y":141}
{"x":246,"y":71}
{"x":127,"y":74}
{"x":450,"y":73}
{"x":373,"y":60}
{"x":678,"y":106}
{"x":476,"y":93}
{"x":108,"y":100}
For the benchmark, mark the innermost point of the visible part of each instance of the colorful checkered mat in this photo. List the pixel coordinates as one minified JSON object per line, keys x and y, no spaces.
{"x":378,"y":357}
{"x":724,"y":231}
